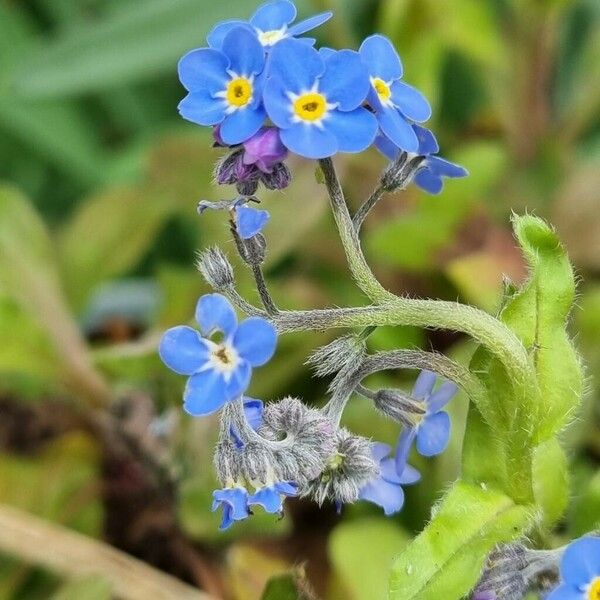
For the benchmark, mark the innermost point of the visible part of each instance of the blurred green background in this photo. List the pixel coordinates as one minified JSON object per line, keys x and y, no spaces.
{"x":99,"y":180}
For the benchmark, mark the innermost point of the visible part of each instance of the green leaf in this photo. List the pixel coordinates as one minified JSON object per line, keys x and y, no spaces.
{"x":445,"y":560}
{"x":88,"y":588}
{"x":538,"y":315}
{"x":551,"y":480}
{"x":585,"y":512}
{"x":281,"y":587}
{"x":361,"y":553}
{"x":135,"y":43}
{"x":106,"y":237}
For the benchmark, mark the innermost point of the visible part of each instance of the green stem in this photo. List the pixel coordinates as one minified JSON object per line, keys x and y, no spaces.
{"x":433,"y":314}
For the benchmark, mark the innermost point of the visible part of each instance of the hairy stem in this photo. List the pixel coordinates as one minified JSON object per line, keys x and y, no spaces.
{"x":263,"y":290}
{"x":433,"y":314}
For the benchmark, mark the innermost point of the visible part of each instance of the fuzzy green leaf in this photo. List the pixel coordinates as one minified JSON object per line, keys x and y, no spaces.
{"x":551,"y":480}
{"x":445,"y":560}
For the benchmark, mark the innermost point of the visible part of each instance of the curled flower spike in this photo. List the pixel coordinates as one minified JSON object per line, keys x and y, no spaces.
{"x":234,"y":502}
{"x":219,"y":371}
{"x":579,"y":571}
{"x":431,"y":430}
{"x":393,"y":101}
{"x":271,"y":23}
{"x":224,"y":86}
{"x":385,"y":490}
{"x":431,"y":174}
{"x":317,"y":102}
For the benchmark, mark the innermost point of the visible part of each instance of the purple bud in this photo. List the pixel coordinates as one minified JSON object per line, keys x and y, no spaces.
{"x":232,"y":170}
{"x":264,"y":149}
{"x":219,"y":143}
{"x":278,"y":179}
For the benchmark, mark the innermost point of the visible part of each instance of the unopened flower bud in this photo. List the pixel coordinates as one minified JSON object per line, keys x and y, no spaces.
{"x":231,"y":170}
{"x":278,"y":179}
{"x":258,"y":462}
{"x":337,"y":355}
{"x":400,"y":406}
{"x":265,"y":149}
{"x":252,"y":250}
{"x":216,"y":269}
{"x":348,"y":470}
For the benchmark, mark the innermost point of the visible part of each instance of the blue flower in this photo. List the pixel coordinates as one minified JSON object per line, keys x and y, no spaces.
{"x":253,"y":409}
{"x":433,"y":429}
{"x":579,"y":571}
{"x":225,"y":86}
{"x":393,"y":101}
{"x":219,"y":371}
{"x":430,"y":176}
{"x":271,"y":497}
{"x":234,"y":502}
{"x":248,"y":221}
{"x":316,"y":101}
{"x":385,"y":490}
{"x":270,"y":24}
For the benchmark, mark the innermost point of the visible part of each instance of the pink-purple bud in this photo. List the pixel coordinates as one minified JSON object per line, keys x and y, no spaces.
{"x":264,"y":149}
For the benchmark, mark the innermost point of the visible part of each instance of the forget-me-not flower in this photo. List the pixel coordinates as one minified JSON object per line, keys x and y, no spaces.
{"x":431,"y":430}
{"x":579,"y":571}
{"x":394,"y":102}
{"x":234,"y":502}
{"x":430,"y":175}
{"x":248,"y":221}
{"x":219,"y":369}
{"x":271,"y":23}
{"x":316,"y":102}
{"x":386,"y":489}
{"x":225,"y":86}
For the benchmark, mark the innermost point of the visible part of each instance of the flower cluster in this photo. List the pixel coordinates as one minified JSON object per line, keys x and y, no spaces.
{"x":266,"y":90}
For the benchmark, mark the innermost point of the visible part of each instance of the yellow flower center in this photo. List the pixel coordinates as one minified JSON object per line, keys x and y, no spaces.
{"x":268,"y":38}
{"x":310,"y":107}
{"x":382,"y":89}
{"x":239,"y":92}
{"x":594,"y":590}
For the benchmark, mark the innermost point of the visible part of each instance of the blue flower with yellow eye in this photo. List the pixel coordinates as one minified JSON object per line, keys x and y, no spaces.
{"x":225,"y":86}
{"x":579,"y":571}
{"x":317,"y":102}
{"x":218,"y":360}
{"x":430,"y":177}
{"x":271,"y":23}
{"x":394,"y":102}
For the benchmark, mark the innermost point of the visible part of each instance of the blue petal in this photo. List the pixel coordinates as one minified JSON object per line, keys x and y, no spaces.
{"x":445,"y":168}
{"x":204,"y":393}
{"x":387,"y":470}
{"x":428,"y":181}
{"x":269,"y":498}
{"x":310,"y":23}
{"x":287,"y":488}
{"x":201,"y":108}
{"x":253,"y":410}
{"x":355,"y":131}
{"x":580,"y":563}
{"x":255,"y":340}
{"x":326,"y":52}
{"x":566,"y":592}
{"x":244,"y":51}
{"x":234,"y":502}
{"x":387,"y":147}
{"x":410,"y":101}
{"x":380,"y":58}
{"x":215,"y":313}
{"x":346,"y":80}
{"x":239,"y":381}
{"x":427,"y":141}
{"x":409,"y":476}
{"x":250,"y":221}
{"x":204,"y":69}
{"x":441,"y":396}
{"x":217,"y":35}
{"x":277,"y":103}
{"x":183,"y":350}
{"x":434,"y":434}
{"x":227,"y":520}
{"x":395,"y":127}
{"x":273,"y":15}
{"x":296,"y":64}
{"x":241,"y":125}
{"x":423,"y":385}
{"x":385,"y":494}
{"x":310,"y":141}
{"x":403,"y":446}
{"x":379,"y":450}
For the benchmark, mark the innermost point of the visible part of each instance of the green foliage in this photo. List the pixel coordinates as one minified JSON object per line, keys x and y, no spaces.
{"x":445,"y":560}
{"x":89,"y":588}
